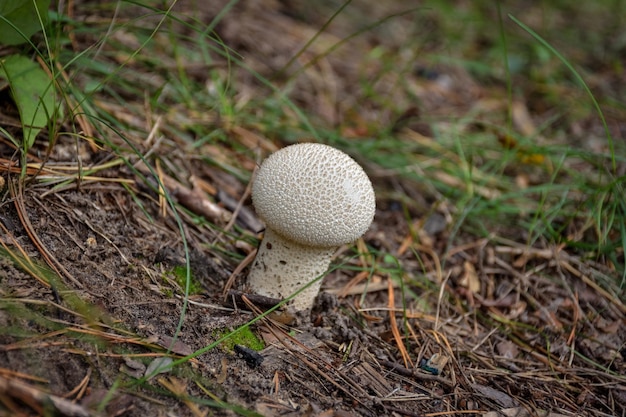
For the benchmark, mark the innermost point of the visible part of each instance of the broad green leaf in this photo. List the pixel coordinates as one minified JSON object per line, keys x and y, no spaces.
{"x":23,"y":15}
{"x":32,"y":92}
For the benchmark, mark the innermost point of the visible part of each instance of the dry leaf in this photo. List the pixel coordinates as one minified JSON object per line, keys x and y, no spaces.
{"x":158,"y":366}
{"x":470,"y":279}
{"x":507,"y":349}
{"x":522,"y":119}
{"x":175,"y":346}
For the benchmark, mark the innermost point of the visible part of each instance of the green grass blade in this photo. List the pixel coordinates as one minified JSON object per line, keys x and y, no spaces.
{"x":580,"y":80}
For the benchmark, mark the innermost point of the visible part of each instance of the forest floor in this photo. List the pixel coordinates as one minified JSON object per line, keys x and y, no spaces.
{"x":490,"y":283}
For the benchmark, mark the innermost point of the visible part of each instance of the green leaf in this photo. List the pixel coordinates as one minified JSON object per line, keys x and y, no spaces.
{"x":19,"y":21}
{"x":32,"y":92}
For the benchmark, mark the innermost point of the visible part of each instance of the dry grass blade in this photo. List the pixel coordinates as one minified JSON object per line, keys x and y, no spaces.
{"x":179,"y":389}
{"x":193,"y":199}
{"x":352,"y":287}
{"x":240,"y":267}
{"x":39,"y":400}
{"x":58,"y":267}
{"x":613,"y":298}
{"x":23,"y":261}
{"x":565,"y":260}
{"x":79,"y":391}
{"x":22,"y":376}
{"x":64,"y":173}
{"x":394,"y":325}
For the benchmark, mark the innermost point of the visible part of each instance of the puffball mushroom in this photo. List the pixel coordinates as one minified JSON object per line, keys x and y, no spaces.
{"x":313,"y":198}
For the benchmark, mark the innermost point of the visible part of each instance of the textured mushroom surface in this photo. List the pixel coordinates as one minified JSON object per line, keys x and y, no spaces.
{"x":282,"y":267}
{"x":314,"y":194}
{"x":313,"y":198}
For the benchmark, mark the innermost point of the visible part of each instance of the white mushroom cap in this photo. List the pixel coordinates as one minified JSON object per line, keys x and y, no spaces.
{"x":313,"y":198}
{"x":314,"y":194}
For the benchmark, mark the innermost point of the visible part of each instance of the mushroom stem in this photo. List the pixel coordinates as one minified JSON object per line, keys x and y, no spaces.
{"x":283,"y":266}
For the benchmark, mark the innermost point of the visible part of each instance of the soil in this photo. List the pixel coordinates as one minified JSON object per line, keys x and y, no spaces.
{"x":92,"y":297}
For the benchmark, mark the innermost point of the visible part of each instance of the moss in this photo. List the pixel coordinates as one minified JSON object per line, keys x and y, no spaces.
{"x":180,"y":275}
{"x":244,"y":337}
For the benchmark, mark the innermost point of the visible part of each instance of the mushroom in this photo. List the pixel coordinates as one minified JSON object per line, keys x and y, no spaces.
{"x":313,"y":198}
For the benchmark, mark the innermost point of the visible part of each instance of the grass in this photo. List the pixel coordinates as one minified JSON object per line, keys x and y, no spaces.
{"x":162,"y":88}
